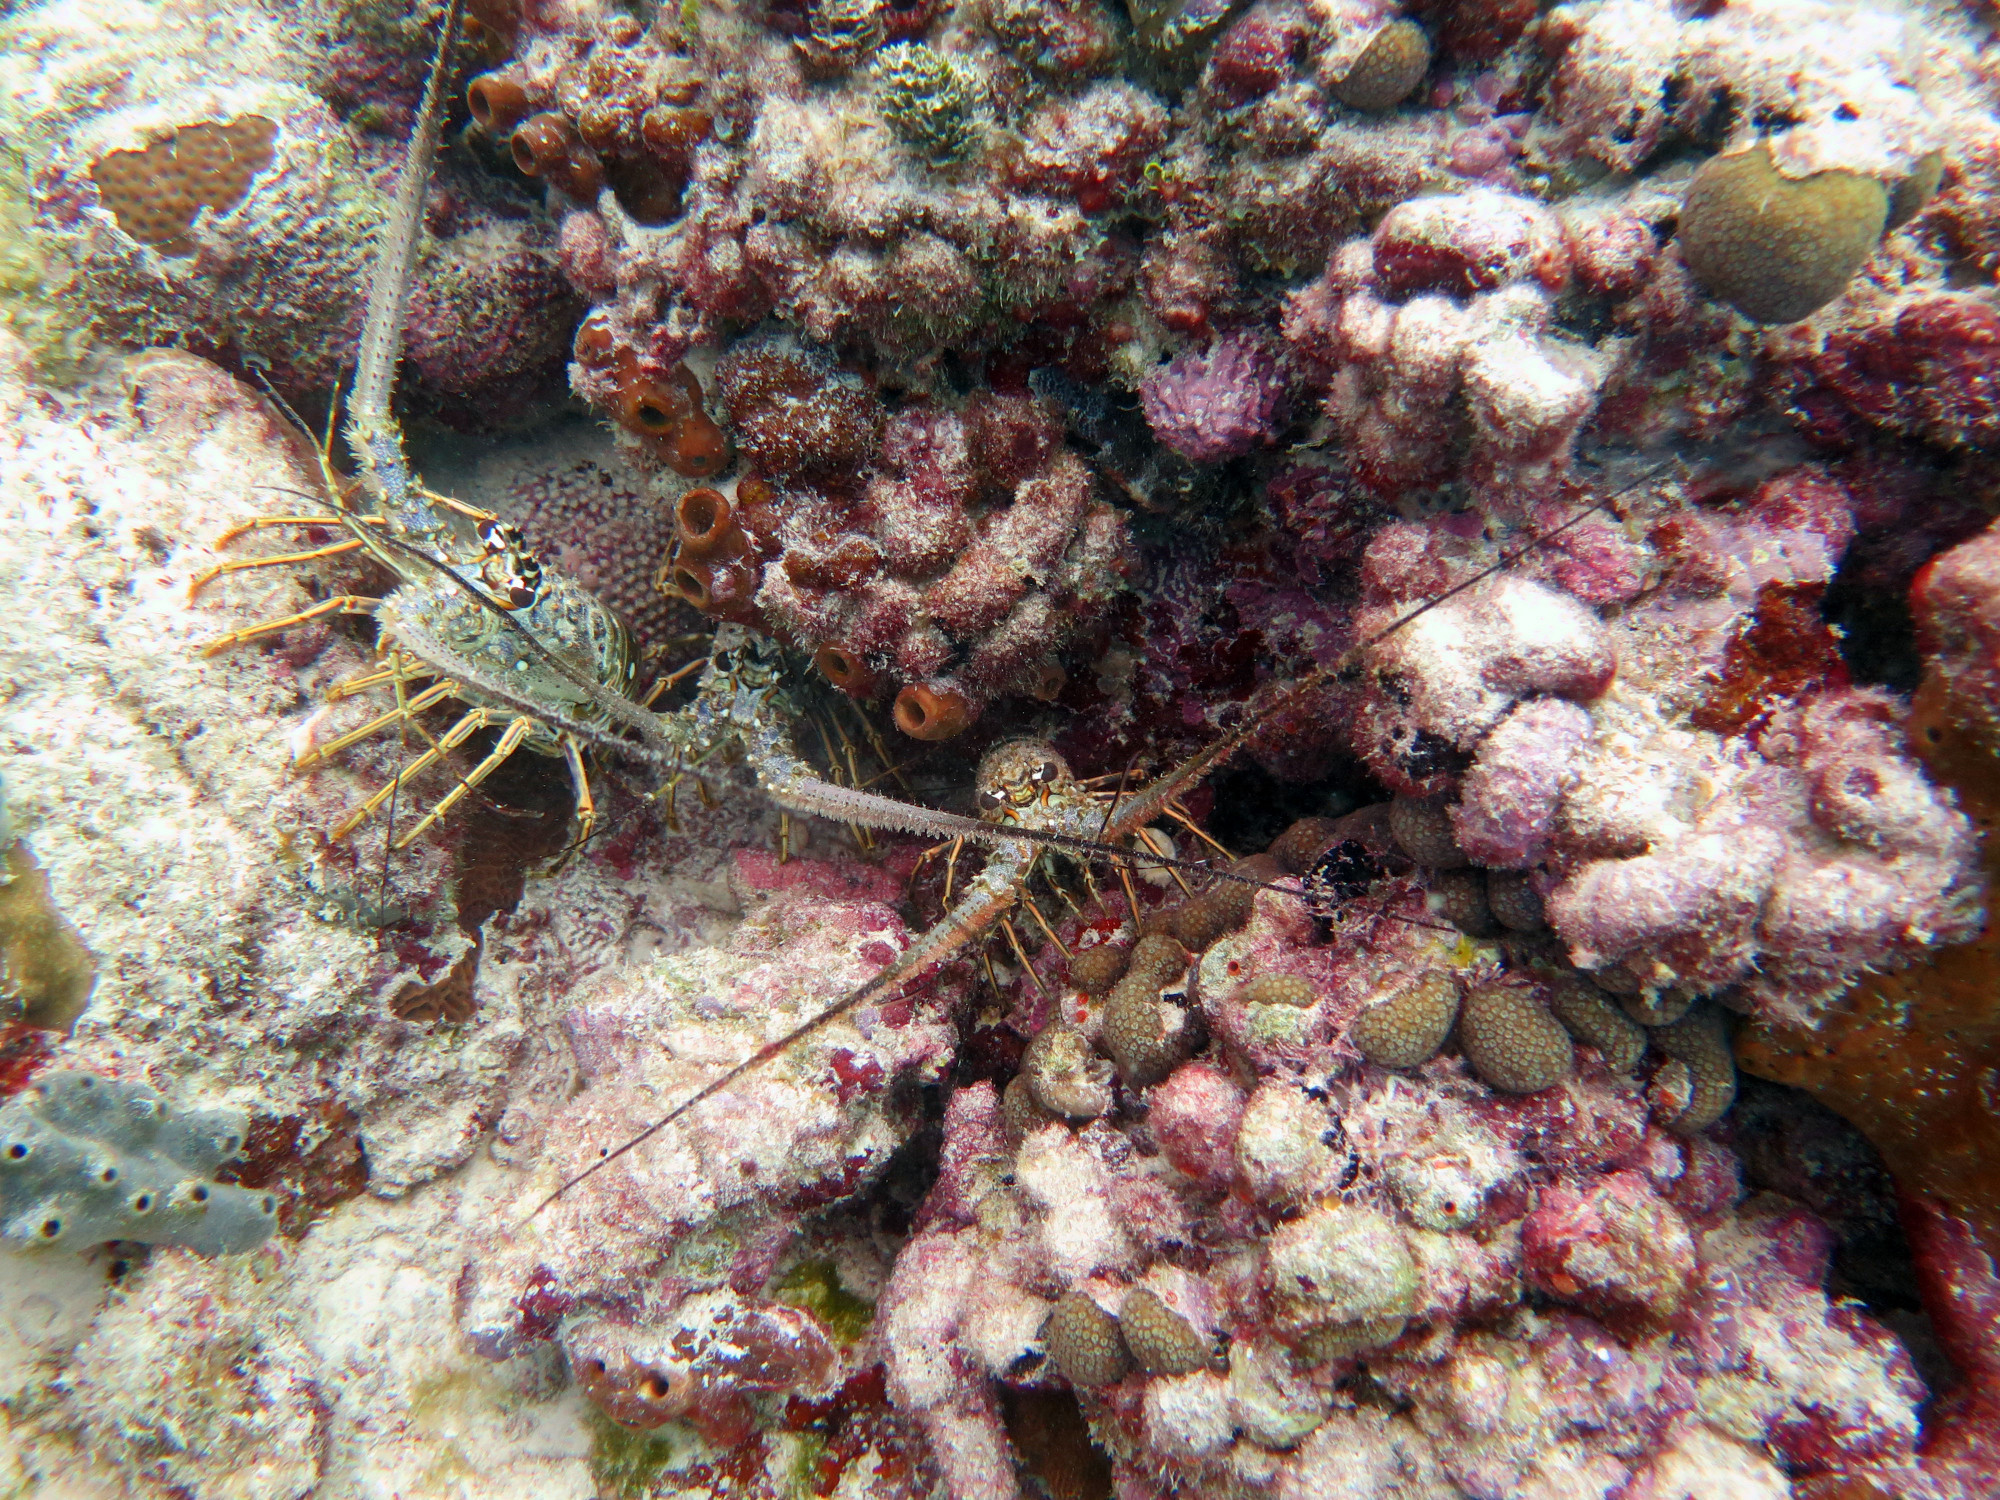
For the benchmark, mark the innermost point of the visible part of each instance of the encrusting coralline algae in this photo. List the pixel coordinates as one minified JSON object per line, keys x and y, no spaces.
{"x":1117,"y":380}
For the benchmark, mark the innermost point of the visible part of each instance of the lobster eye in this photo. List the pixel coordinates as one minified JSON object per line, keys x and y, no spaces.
{"x":992,"y":796}
{"x":1046,"y":771}
{"x":520,"y":595}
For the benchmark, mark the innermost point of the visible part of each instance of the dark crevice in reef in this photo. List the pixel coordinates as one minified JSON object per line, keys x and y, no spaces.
{"x":528,"y":803}
{"x":1876,"y":633}
{"x":1252,"y":807}
{"x":1791,"y":1144}
{"x":1058,"y":1458}
{"x":913,"y":1170}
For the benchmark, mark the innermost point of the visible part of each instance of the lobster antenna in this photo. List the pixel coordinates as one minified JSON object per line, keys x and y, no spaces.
{"x":371,"y":428}
{"x":892,"y":980}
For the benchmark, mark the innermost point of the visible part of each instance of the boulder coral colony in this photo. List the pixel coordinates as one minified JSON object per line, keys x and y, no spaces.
{"x":1056,"y":367}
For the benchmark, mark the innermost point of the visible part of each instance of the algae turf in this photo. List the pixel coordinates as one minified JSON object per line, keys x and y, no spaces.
{"x":814,"y":1285}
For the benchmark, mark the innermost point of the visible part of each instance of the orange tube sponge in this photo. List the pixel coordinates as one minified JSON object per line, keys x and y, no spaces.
{"x":927,"y":713}
{"x":721,"y":587}
{"x":707,"y":524}
{"x":847,"y":671}
{"x":667,"y":412}
{"x":498,"y":100}
{"x":548,"y":146}
{"x":698,"y":448}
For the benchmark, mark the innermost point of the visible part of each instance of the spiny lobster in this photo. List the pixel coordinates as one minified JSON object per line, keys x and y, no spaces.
{"x":479,"y":620}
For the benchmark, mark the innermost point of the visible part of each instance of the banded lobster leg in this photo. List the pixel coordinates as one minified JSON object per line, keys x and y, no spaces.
{"x":341,"y":604}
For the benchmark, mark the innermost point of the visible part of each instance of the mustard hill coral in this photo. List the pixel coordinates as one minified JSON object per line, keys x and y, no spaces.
{"x":1406,"y":1028}
{"x":1085,"y":1343}
{"x":1593,"y":1020}
{"x":1162,"y":1342}
{"x":1145,"y":1037}
{"x":1095,"y":970}
{"x":157,"y":192}
{"x":1778,"y":250}
{"x":1388,"y":70}
{"x":1511,"y":1039}
{"x":1703,"y":1070}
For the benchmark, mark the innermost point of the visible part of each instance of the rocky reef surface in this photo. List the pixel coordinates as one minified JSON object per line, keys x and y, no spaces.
{"x":1555,"y":438}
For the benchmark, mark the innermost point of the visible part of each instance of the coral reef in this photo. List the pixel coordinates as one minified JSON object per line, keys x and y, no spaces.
{"x":1571,"y":394}
{"x":1216,"y":404}
{"x":223,"y":206}
{"x":944,"y":555}
{"x":1902,"y":1053}
{"x":1775,"y":249}
{"x":1609,"y":1388}
{"x":241,"y":959}
{"x":723,"y":1191}
{"x":1446,"y":318}
{"x":1516,"y":721}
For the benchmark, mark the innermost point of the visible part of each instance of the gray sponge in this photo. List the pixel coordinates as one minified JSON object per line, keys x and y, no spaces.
{"x":85,"y":1159}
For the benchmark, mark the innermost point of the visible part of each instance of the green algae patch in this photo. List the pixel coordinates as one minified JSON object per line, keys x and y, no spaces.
{"x":628,"y":1465}
{"x":807,"y":1456}
{"x":56,"y":333}
{"x":814,"y":1286}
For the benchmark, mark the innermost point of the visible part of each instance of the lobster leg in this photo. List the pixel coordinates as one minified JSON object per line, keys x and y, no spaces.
{"x":509,"y":741}
{"x":374,"y":726}
{"x":586,"y":805}
{"x":246,"y":564}
{"x":341,"y":604}
{"x":477,"y":719}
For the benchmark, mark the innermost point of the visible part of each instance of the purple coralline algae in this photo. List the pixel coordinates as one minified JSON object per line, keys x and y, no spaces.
{"x":1215,"y":404}
{"x":728,"y":1189}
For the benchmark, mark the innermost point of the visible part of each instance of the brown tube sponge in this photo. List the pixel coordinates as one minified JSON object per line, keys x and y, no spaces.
{"x":926,"y":713}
